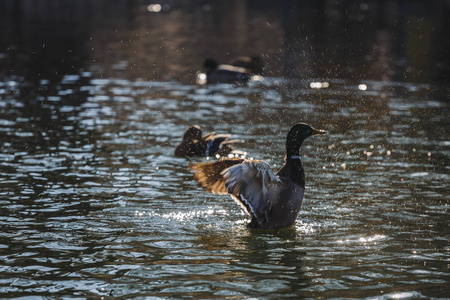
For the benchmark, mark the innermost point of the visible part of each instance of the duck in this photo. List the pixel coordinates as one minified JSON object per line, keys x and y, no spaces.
{"x":239,"y":69}
{"x":271,"y":200}
{"x":252,"y":63}
{"x":194,"y":143}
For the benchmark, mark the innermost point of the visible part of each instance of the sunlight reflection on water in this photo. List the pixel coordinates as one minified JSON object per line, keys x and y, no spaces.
{"x":94,"y":204}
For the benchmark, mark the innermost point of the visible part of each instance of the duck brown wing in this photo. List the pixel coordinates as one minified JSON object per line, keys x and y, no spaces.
{"x":208,"y":136}
{"x":209,"y":176}
{"x":255,"y":186}
{"x":219,"y":137}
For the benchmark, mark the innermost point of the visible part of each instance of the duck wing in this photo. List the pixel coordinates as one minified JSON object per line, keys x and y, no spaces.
{"x":254,"y":186}
{"x":213,"y":136}
{"x":209,"y":174}
{"x":218,"y":144}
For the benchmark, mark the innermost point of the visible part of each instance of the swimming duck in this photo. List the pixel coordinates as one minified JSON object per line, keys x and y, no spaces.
{"x":271,"y":200}
{"x":252,"y":63}
{"x":211,"y":144}
{"x":238,"y":70}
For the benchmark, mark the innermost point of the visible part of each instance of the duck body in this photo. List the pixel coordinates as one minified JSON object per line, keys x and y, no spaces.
{"x":252,"y":63}
{"x":237,"y":70}
{"x":227,"y":74}
{"x":271,"y":200}
{"x":211,"y":144}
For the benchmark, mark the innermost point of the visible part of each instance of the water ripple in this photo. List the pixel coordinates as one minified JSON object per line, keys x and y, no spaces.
{"x":94,"y":204}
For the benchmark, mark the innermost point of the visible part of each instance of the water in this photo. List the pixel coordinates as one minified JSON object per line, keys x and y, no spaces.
{"x":93,"y":203}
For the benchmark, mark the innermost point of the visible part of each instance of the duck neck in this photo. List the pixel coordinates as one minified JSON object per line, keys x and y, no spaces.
{"x":294,"y":167}
{"x":293,"y":150}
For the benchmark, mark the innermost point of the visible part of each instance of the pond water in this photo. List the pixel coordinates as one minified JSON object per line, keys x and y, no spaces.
{"x":94,"y":204}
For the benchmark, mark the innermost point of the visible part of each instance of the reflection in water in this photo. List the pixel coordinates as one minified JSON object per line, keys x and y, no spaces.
{"x":93,"y":203}
{"x":116,"y":208}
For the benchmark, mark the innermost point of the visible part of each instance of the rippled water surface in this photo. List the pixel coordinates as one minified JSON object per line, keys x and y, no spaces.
{"x":94,"y":204}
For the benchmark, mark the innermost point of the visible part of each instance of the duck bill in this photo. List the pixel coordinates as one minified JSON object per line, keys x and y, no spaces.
{"x":318,"y":131}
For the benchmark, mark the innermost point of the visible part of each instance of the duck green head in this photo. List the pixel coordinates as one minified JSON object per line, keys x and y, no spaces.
{"x":297,"y":134}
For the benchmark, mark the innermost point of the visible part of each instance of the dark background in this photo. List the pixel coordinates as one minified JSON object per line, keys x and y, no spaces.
{"x":379,"y":40}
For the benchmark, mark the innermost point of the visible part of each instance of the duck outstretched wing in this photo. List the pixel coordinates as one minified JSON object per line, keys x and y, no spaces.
{"x":254,"y":186}
{"x":209,"y":174}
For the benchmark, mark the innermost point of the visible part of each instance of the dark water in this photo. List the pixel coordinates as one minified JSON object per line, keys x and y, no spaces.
{"x":94,"y":96}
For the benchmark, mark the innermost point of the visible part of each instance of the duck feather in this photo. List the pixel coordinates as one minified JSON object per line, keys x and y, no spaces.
{"x":254,"y":185}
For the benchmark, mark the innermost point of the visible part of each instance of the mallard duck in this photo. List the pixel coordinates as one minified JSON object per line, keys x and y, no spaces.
{"x":238,"y":70}
{"x":271,"y":200}
{"x":211,"y":144}
{"x":252,"y":63}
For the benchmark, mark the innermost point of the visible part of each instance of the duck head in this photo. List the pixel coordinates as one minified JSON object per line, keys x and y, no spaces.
{"x":210,"y":64}
{"x":192,"y":133}
{"x":296,"y":135}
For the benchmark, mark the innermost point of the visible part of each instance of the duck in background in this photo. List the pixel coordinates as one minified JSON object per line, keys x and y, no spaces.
{"x":211,"y":144}
{"x":240,"y":69}
{"x":271,"y":200}
{"x":253,"y":63}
